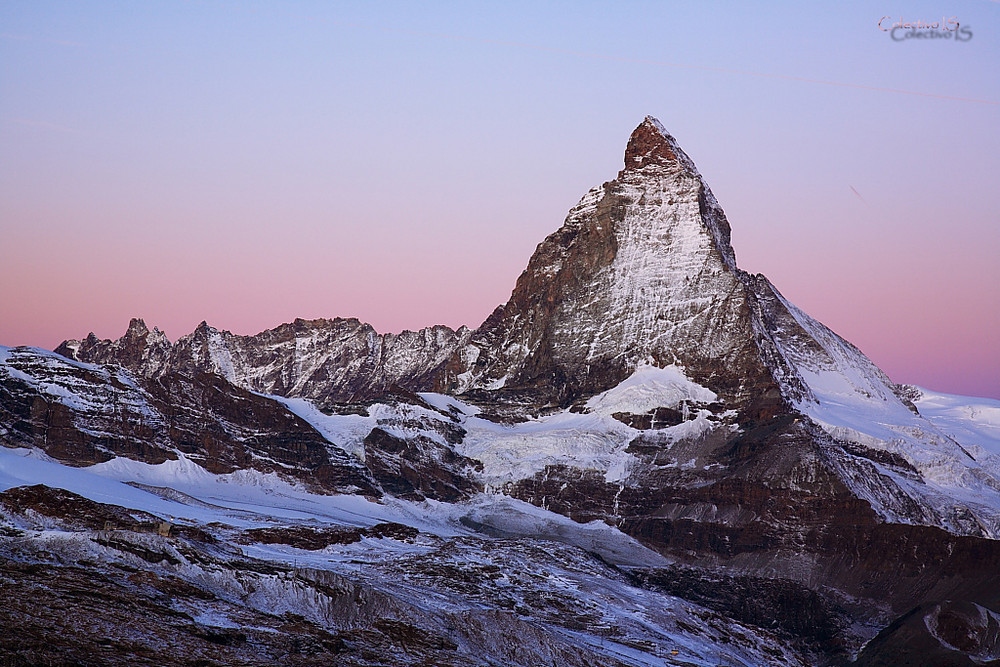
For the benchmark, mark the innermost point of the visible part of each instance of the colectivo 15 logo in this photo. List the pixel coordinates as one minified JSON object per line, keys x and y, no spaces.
{"x":946,"y":28}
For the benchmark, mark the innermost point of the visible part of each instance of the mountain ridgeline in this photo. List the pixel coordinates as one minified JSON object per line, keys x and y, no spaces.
{"x":636,"y":377}
{"x":642,"y":269}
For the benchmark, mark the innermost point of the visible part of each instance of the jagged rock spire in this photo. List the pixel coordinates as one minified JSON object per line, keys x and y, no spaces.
{"x":642,"y":269}
{"x":137,"y":327}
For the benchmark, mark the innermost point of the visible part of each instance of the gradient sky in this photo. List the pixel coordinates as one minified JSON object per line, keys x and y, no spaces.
{"x":247,"y":163}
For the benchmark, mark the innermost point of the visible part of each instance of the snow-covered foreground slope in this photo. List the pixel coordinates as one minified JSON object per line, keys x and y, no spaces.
{"x":470,"y":571}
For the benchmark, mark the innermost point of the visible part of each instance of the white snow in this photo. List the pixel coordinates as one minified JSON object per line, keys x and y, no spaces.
{"x":648,"y":388}
{"x":345,"y":431}
{"x":515,"y":518}
{"x":510,"y":453}
{"x":349,"y":431}
{"x":973,"y":422}
{"x":448,"y":403}
{"x":182,"y":491}
{"x":219,"y":355}
{"x":593,"y":440}
{"x":854,"y":401}
{"x":25,"y":467}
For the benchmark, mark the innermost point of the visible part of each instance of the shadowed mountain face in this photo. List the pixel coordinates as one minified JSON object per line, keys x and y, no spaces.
{"x":636,"y":377}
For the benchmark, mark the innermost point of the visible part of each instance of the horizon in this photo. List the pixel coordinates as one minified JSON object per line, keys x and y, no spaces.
{"x":247,"y":165}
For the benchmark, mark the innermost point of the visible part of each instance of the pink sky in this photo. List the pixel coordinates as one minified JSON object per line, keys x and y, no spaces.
{"x":182,"y":163}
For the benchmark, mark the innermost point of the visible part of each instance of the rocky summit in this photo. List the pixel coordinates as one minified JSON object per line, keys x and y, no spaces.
{"x":647,"y":456}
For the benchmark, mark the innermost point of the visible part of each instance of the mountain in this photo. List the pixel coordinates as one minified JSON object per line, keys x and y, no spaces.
{"x":748,"y":460}
{"x":338,"y":360}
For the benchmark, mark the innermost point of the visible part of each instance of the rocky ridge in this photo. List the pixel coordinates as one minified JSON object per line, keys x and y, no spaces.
{"x":339,"y":360}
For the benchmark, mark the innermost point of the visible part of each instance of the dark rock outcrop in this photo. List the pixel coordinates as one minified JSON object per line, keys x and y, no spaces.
{"x":83,"y":414}
{"x":419,"y":467}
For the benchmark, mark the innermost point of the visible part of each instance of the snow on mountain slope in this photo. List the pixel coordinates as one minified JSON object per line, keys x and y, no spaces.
{"x":641,"y":269}
{"x":83,"y":413}
{"x":24,"y":467}
{"x":398,"y":418}
{"x":347,"y":431}
{"x":243,"y":498}
{"x":533,"y":576}
{"x":591,"y":440}
{"x":648,"y":388}
{"x":72,"y":383}
{"x":972,"y":422}
{"x":855,"y":402}
{"x":518,"y":451}
{"x":184,"y":492}
{"x":508,"y":452}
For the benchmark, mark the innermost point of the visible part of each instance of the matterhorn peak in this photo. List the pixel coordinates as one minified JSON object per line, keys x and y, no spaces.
{"x":641,"y":269}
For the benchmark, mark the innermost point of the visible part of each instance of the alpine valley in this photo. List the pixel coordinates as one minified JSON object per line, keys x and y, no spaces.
{"x":645,"y":457}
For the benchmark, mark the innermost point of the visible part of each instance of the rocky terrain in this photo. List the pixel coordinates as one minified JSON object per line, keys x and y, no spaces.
{"x":337,"y":360}
{"x":645,"y":457}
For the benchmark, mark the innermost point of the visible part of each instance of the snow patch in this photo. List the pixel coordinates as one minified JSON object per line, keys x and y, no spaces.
{"x":973,"y":422}
{"x":519,"y":451}
{"x":448,"y":403}
{"x":347,"y":432}
{"x":648,"y":388}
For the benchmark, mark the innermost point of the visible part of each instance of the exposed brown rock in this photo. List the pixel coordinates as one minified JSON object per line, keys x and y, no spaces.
{"x":314,"y":539}
{"x":418,"y":468}
{"x":71,"y":509}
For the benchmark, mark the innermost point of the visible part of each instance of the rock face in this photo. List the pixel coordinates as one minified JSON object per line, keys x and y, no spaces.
{"x":642,"y":270}
{"x":83,"y":414}
{"x":340,"y":360}
{"x":636,"y":377}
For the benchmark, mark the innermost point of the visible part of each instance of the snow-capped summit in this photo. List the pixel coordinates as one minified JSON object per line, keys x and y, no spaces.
{"x":641,"y":269}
